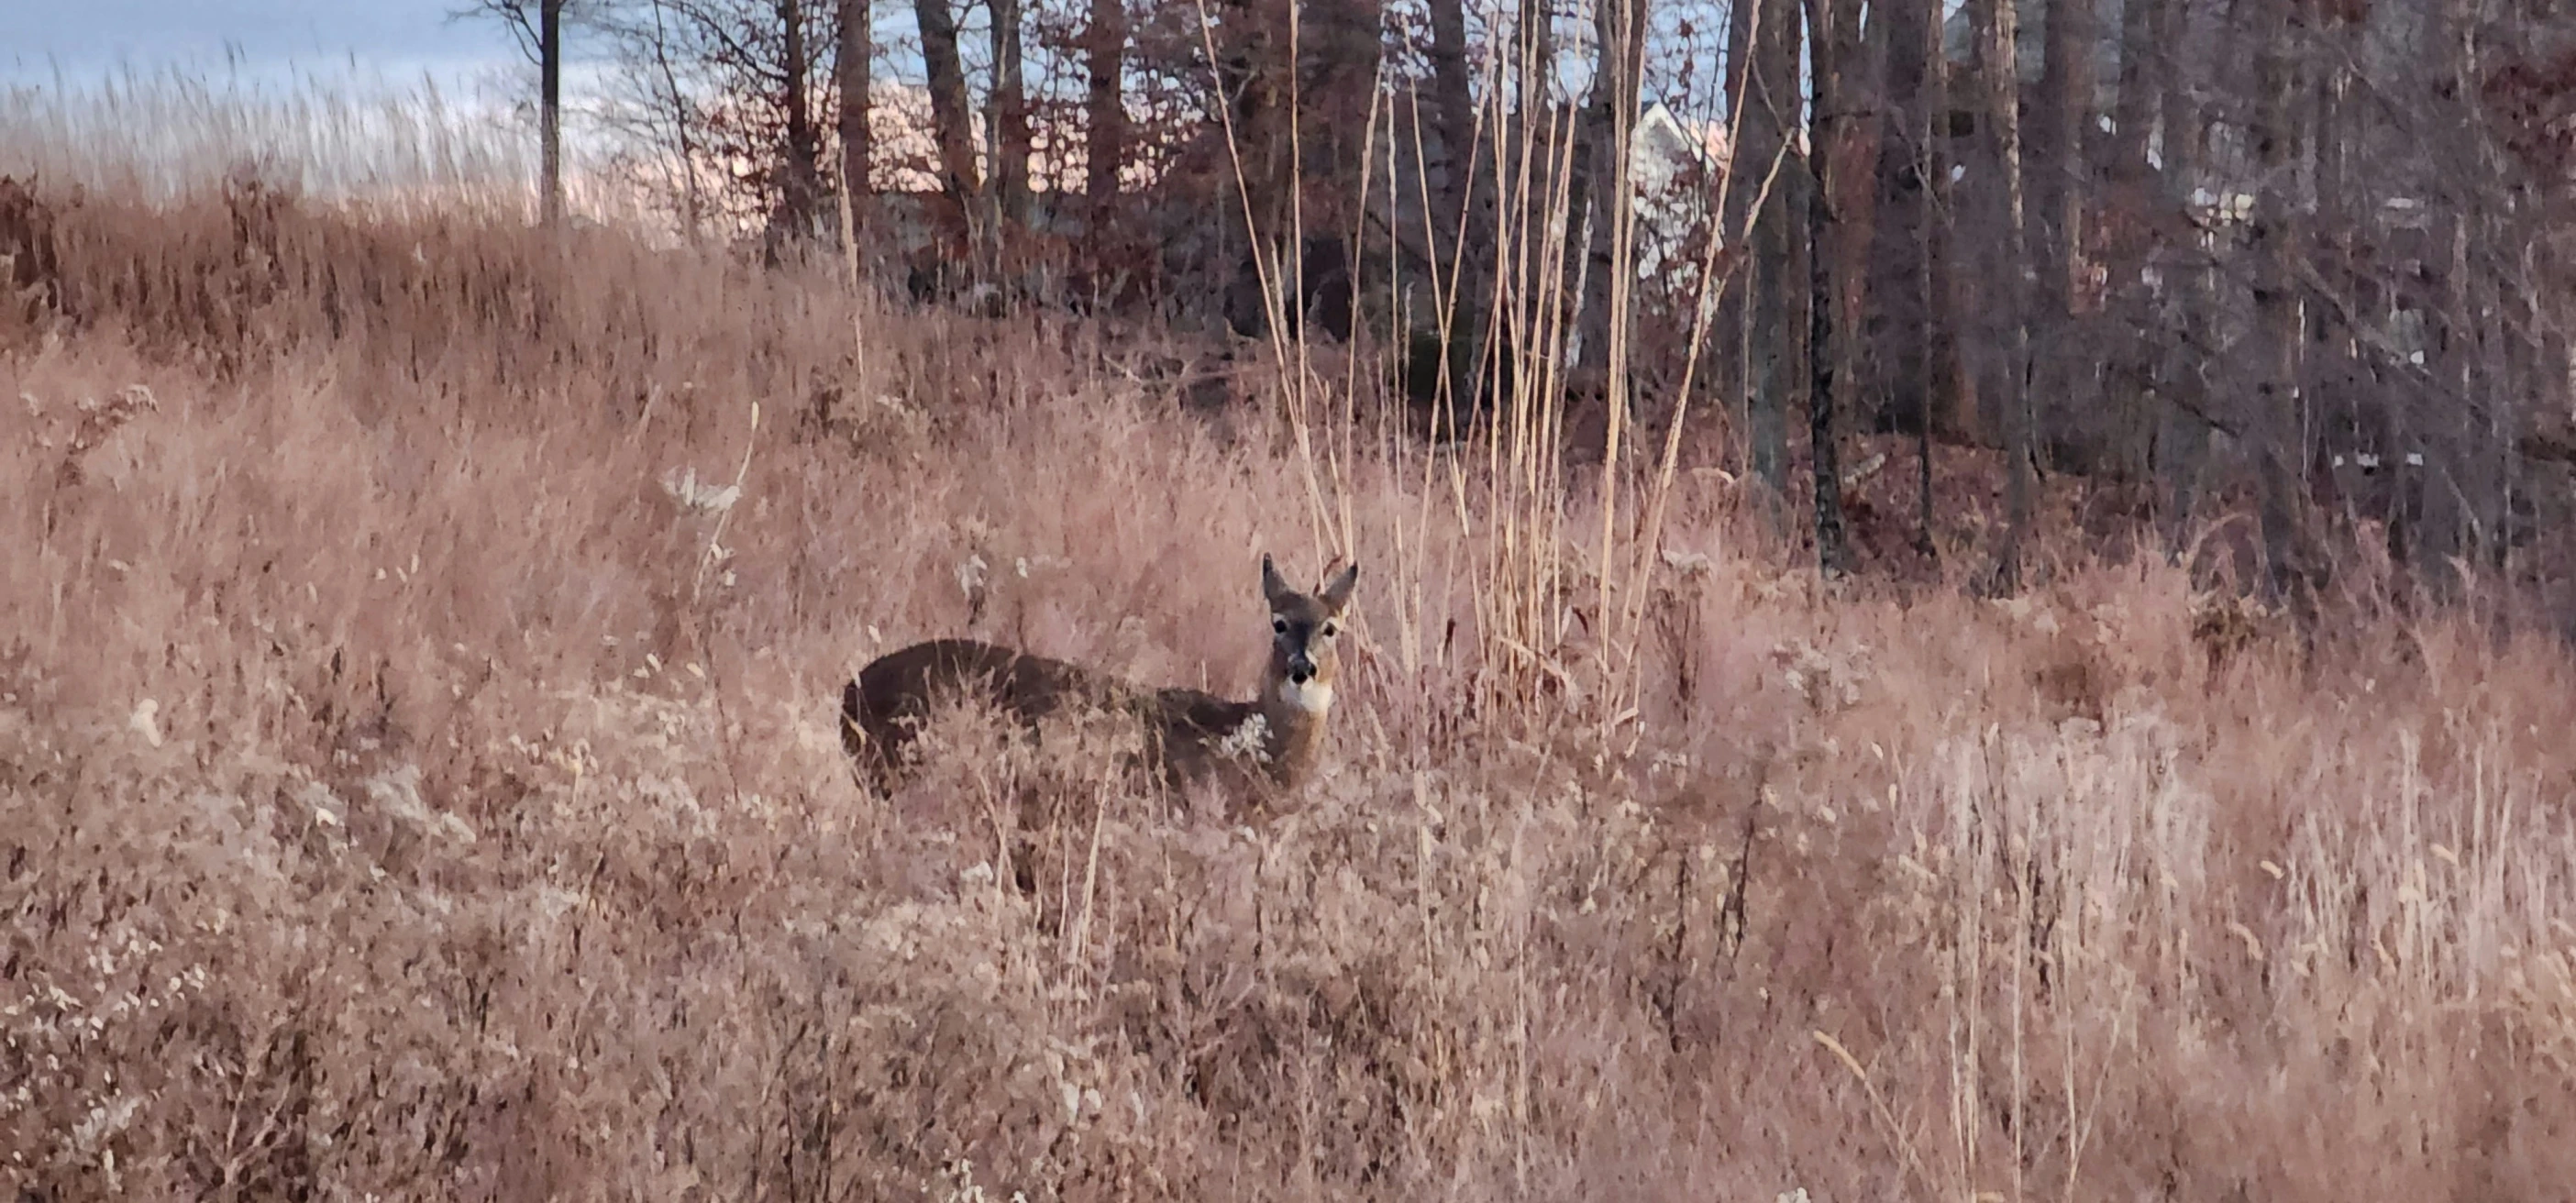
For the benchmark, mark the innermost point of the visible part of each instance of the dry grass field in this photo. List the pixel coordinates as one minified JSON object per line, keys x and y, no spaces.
{"x":418,"y":779}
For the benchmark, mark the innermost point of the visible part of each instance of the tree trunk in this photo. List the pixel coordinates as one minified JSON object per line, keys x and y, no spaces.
{"x":2345,"y":405}
{"x":2130,"y":214}
{"x":1731,"y":330}
{"x":1602,"y":184}
{"x":1832,"y":51}
{"x":1948,"y":395}
{"x":2189,"y":287}
{"x":2447,"y":434}
{"x":1454,"y":115}
{"x":1770,"y":113}
{"x":949,"y":110}
{"x":2063,"y":370}
{"x":2273,"y":238}
{"x":1927,"y":342}
{"x":851,"y":63}
{"x":1452,"y":105}
{"x":1898,"y":251}
{"x":1461,"y":235}
{"x":2003,"y":381}
{"x":800,"y":184}
{"x":1105,"y":135}
{"x":1010,"y":116}
{"x":550,"y":106}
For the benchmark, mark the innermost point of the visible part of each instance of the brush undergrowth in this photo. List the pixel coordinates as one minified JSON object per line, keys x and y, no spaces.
{"x":416,"y":742}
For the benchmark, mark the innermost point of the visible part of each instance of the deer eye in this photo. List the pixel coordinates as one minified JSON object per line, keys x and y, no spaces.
{"x":1278,"y":625}
{"x":1331,"y":629}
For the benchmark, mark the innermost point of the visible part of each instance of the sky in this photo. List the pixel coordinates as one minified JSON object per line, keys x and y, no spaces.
{"x":261,"y":39}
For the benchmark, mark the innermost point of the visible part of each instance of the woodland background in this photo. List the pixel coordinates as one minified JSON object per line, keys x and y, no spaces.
{"x":2291,"y":256}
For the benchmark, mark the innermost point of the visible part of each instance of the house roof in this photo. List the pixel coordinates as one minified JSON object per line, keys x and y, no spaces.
{"x":1662,"y":133}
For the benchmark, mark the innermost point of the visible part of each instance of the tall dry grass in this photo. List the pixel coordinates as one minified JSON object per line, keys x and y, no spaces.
{"x":420,"y":782}
{"x":403,"y":147}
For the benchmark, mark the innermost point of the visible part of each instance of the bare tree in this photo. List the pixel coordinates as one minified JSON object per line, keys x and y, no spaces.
{"x":2064,"y":376}
{"x":2185,"y":312}
{"x":2447,"y":302}
{"x":1601,"y":183}
{"x":2131,"y":200}
{"x":950,"y":109}
{"x":1834,"y":50}
{"x":1770,"y":96}
{"x":1460,"y":233}
{"x":1939,"y":286}
{"x":2003,"y":300}
{"x":1009,"y":119}
{"x":718,"y":100}
{"x":800,"y":188}
{"x":537,"y":25}
{"x":550,"y":104}
{"x":1909,"y":276}
{"x":1453,"y":106}
{"x":1105,"y":113}
{"x":851,"y":67}
{"x":1906,"y":128}
{"x":2273,"y":237}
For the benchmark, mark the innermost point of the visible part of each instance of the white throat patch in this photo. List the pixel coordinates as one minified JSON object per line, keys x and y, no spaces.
{"x":1313,"y":697}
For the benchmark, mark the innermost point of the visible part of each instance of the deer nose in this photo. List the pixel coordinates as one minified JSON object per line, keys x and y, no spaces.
{"x":1301,"y":669}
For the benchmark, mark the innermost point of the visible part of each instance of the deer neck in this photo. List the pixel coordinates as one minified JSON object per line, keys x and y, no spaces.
{"x":1295,"y":716}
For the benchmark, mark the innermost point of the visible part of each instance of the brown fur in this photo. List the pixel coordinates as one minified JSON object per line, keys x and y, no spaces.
{"x":1190,"y":736}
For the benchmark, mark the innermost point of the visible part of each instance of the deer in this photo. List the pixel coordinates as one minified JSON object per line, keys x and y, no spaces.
{"x":1271,"y":741}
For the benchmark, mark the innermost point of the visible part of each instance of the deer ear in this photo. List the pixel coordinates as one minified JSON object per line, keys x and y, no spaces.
{"x":1337,"y":591}
{"x":1272,"y":587}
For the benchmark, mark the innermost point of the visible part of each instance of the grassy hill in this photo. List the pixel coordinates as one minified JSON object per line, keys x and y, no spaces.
{"x":420,"y":780}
